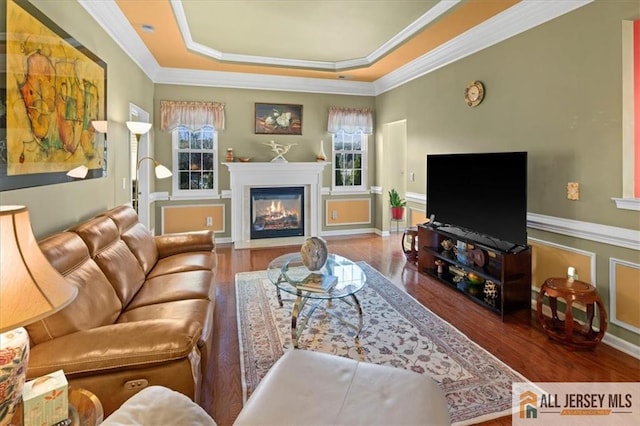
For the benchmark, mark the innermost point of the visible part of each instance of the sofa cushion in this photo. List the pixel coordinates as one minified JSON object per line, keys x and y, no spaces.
{"x":172,"y":287}
{"x":117,"y":347}
{"x":96,"y":304}
{"x":196,"y":310}
{"x":121,"y":267}
{"x":137,"y":237}
{"x":198,"y":261}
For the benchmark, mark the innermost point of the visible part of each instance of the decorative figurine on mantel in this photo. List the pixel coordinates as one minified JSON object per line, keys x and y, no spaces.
{"x":321,"y":156}
{"x":280,"y":150}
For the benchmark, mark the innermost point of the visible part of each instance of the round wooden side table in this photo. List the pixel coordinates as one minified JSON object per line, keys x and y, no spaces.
{"x":410,"y":243}
{"x":569,"y":331}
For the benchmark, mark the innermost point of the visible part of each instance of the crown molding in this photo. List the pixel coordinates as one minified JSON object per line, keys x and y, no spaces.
{"x":515,"y":20}
{"x":261,"y":82}
{"x":109,"y":16}
{"x":428,"y":17}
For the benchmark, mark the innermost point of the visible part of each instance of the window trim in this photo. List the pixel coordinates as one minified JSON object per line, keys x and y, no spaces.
{"x":178,"y":193}
{"x":630,"y":199}
{"x":364,"y":152}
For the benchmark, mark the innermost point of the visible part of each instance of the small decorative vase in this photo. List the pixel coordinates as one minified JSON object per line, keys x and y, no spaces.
{"x":314,"y":253}
{"x":14,"y":356}
{"x":321,"y":156}
{"x":229,"y":157}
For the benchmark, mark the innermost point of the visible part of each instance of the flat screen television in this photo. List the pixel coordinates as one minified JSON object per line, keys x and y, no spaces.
{"x":483,"y":193}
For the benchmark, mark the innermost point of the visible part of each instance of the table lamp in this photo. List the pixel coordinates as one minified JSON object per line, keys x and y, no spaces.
{"x":30,"y":290}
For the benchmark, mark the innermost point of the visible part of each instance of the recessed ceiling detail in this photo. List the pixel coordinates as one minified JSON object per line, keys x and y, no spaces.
{"x":370,"y":47}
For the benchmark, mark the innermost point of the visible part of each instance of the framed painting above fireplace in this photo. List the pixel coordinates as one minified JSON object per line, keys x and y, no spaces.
{"x":278,"y":119}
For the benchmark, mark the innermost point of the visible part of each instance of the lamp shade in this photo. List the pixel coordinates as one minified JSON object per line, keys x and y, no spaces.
{"x":138,"y":127}
{"x":100,"y":126}
{"x":79,"y":172}
{"x":162,"y":172}
{"x":30,"y":288}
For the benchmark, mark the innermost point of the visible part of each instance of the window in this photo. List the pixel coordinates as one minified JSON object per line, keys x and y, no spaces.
{"x":349,"y":161}
{"x":195,"y":162}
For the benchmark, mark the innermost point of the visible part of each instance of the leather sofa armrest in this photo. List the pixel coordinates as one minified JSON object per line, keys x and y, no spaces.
{"x":184,"y":242}
{"x":116,"y":346}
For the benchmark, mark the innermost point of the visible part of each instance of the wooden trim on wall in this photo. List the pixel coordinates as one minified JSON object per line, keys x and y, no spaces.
{"x":349,"y":211}
{"x":552,"y":260}
{"x":624,"y":294}
{"x":193,"y":217}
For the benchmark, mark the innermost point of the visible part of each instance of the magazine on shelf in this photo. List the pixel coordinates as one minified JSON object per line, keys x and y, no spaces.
{"x":318,"y":283}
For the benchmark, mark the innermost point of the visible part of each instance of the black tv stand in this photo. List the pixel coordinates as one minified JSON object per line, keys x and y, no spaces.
{"x":499,"y":263}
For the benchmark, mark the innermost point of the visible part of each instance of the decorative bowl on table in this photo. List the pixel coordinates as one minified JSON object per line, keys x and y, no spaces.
{"x":244,"y":159}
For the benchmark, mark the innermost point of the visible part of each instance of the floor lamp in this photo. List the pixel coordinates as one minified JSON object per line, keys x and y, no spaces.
{"x":138,"y":128}
{"x":30,"y":290}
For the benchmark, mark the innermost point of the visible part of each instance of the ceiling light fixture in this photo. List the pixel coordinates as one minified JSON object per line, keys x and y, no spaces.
{"x":148,"y":28}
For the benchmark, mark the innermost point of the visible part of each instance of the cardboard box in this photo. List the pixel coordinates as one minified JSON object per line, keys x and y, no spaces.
{"x":46,"y":400}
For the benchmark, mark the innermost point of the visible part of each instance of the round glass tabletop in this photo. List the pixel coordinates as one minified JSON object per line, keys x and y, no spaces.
{"x":287,"y":272}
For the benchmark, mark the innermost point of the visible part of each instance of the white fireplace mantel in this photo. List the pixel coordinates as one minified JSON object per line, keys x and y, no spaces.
{"x":245,"y":176}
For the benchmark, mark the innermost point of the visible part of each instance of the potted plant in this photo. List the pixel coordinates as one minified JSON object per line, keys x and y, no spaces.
{"x":397,"y":205}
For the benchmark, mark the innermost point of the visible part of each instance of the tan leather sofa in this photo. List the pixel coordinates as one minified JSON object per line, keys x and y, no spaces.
{"x":144,"y":311}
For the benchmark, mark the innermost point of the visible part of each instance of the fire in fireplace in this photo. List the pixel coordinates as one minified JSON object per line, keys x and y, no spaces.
{"x":277,"y":212}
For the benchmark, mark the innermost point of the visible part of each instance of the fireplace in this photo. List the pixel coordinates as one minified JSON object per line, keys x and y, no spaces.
{"x":277,"y":212}
{"x":244,"y":176}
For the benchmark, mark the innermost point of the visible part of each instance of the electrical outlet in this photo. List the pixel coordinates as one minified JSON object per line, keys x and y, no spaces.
{"x":334,"y":214}
{"x":209,"y":221}
{"x":412,"y":177}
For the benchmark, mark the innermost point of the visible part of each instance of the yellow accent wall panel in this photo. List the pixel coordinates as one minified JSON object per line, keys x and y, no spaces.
{"x":552,"y":260}
{"x":348,"y":212}
{"x":417,"y":217}
{"x":192,"y":218}
{"x":625,"y":294}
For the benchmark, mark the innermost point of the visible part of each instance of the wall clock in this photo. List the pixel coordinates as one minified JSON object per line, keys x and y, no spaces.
{"x":474,"y":93}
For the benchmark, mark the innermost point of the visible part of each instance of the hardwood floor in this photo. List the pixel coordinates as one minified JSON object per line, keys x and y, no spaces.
{"x":518,"y":341}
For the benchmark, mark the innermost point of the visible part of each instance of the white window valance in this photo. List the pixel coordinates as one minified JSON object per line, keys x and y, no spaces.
{"x":350,"y":120}
{"x":193,"y":115}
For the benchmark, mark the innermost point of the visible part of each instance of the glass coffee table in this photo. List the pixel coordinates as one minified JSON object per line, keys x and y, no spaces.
{"x":287,"y":271}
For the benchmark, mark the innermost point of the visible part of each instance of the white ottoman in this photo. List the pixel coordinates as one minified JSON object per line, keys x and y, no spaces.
{"x":158,"y":406}
{"x":312,"y":388}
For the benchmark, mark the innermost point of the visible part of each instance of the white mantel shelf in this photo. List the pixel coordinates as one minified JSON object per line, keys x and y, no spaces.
{"x":244,"y":176}
{"x":305,"y":166}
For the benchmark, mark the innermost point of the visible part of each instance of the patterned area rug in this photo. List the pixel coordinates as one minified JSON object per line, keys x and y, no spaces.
{"x":398,"y":331}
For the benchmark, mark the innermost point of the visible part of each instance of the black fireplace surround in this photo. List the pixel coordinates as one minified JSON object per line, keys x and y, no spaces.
{"x":277,"y":212}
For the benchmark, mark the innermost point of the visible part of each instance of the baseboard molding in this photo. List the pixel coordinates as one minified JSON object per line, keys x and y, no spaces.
{"x":338,"y":233}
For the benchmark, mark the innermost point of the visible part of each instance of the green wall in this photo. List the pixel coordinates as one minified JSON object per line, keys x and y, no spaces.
{"x":240,"y":131}
{"x":554,"y":91}
{"x":55,"y":207}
